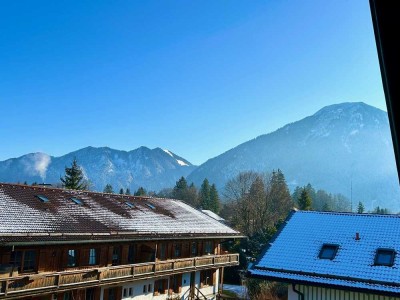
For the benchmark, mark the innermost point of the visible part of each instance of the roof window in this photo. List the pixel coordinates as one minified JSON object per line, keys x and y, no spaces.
{"x":328,"y":251}
{"x":384,"y":257}
{"x":42,"y":198}
{"x":150,"y":205}
{"x":130,"y":204}
{"x":76,"y":201}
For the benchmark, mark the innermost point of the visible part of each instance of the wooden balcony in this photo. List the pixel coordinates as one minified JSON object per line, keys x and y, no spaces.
{"x":44,"y":283}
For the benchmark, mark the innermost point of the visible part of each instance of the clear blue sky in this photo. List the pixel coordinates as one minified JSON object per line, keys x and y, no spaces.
{"x":195,"y":77}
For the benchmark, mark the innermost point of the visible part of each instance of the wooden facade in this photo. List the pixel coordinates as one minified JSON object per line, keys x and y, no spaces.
{"x":78,"y":271}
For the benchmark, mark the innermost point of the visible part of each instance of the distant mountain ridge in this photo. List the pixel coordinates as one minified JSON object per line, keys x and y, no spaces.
{"x":153,"y":169}
{"x":343,"y":148}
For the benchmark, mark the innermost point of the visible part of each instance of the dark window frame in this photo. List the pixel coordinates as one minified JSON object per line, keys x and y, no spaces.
{"x":95,"y":257}
{"x":328,"y":247}
{"x":384,"y":251}
{"x":23,"y":260}
{"x":73,"y":264}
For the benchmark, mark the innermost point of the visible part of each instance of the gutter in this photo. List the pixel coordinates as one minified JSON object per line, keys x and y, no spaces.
{"x":301,"y":295}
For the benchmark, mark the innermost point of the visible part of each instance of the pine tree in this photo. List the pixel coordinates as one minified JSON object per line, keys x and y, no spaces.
{"x":214,"y":199}
{"x":180,"y":189}
{"x":127,"y":191}
{"x":204,"y":195}
{"x":108,"y":189}
{"x":121,"y":191}
{"x":360,"y":208}
{"x":73,"y":178}
{"x":305,"y":202}
{"x":278,"y":196}
{"x":140,"y":192}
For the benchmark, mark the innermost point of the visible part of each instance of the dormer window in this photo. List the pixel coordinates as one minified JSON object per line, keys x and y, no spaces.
{"x":328,"y":251}
{"x":76,"y":200}
{"x":42,"y":198}
{"x":150,"y":206}
{"x":384,"y":257}
{"x":130,"y":204}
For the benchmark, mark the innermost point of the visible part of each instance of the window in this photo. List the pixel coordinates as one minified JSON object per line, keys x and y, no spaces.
{"x":176,"y":283}
{"x":163,"y":251}
{"x":328,"y":251}
{"x":29,"y":261}
{"x":71,"y":258}
{"x":206,"y":277}
{"x":111,"y":294}
{"x":177,"y":250}
{"x":149,"y":288}
{"x":116,"y":256}
{"x":131,"y":254}
{"x":193,"y":251}
{"x":92,"y":257}
{"x":42,"y":198}
{"x":130,"y":204}
{"x":144,"y":289}
{"x":385,"y":257}
{"x":76,"y":200}
{"x":89,"y":294}
{"x":67,"y":296}
{"x":208,"y":247}
{"x":25,"y":260}
{"x":125,"y":293}
{"x":160,"y":286}
{"x":150,"y":206}
{"x":130,"y":291}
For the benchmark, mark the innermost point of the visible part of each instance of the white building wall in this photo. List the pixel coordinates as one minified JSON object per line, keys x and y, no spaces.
{"x":135,"y":290}
{"x":320,"y":293}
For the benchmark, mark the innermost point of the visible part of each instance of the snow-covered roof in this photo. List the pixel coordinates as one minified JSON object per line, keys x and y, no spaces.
{"x":213,"y":215}
{"x":293,"y":255}
{"x":26,"y":218}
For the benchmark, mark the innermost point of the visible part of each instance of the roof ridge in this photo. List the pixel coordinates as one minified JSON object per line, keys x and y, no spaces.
{"x":347,"y":213}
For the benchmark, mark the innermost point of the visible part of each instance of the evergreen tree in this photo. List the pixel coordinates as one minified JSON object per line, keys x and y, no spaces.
{"x":278,"y":196}
{"x":360,"y":208}
{"x":180,"y":189}
{"x":214,"y":199}
{"x":140,"y":192}
{"x":73,"y":178}
{"x":127,"y":191}
{"x":305,"y":202}
{"x":108,"y":189}
{"x":204,"y":195}
{"x":121,"y":191}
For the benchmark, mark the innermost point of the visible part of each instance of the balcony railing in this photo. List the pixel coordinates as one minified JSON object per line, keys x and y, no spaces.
{"x":13,"y":287}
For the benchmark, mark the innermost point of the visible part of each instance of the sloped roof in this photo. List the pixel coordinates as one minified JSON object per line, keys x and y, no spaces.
{"x":24,"y":218}
{"x":293,"y":255}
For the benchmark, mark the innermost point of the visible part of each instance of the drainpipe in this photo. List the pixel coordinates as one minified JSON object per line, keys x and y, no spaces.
{"x":297,"y":292}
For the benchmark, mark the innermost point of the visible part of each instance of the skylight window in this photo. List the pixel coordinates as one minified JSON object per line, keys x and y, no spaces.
{"x":328,"y":251}
{"x":151,"y":206}
{"x":130,"y":204}
{"x":42,"y":198}
{"x":384,"y":257}
{"x":76,"y":201}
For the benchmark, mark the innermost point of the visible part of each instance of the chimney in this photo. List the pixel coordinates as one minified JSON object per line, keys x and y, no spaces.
{"x":357,"y":236}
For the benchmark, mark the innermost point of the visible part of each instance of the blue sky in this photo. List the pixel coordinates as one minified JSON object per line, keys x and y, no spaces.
{"x":195,"y":77}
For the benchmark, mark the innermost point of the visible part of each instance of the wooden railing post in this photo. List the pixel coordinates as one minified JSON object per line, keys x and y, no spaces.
{"x":6,"y":287}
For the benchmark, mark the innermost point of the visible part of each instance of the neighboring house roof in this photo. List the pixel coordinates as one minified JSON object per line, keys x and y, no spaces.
{"x":24,"y":218}
{"x":293,"y":254}
{"x":213,"y":215}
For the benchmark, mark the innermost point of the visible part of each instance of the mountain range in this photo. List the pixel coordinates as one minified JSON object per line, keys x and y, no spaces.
{"x":343,"y":148}
{"x":153,"y":169}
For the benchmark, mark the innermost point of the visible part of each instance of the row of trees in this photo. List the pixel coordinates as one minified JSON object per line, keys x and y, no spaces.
{"x":307,"y":198}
